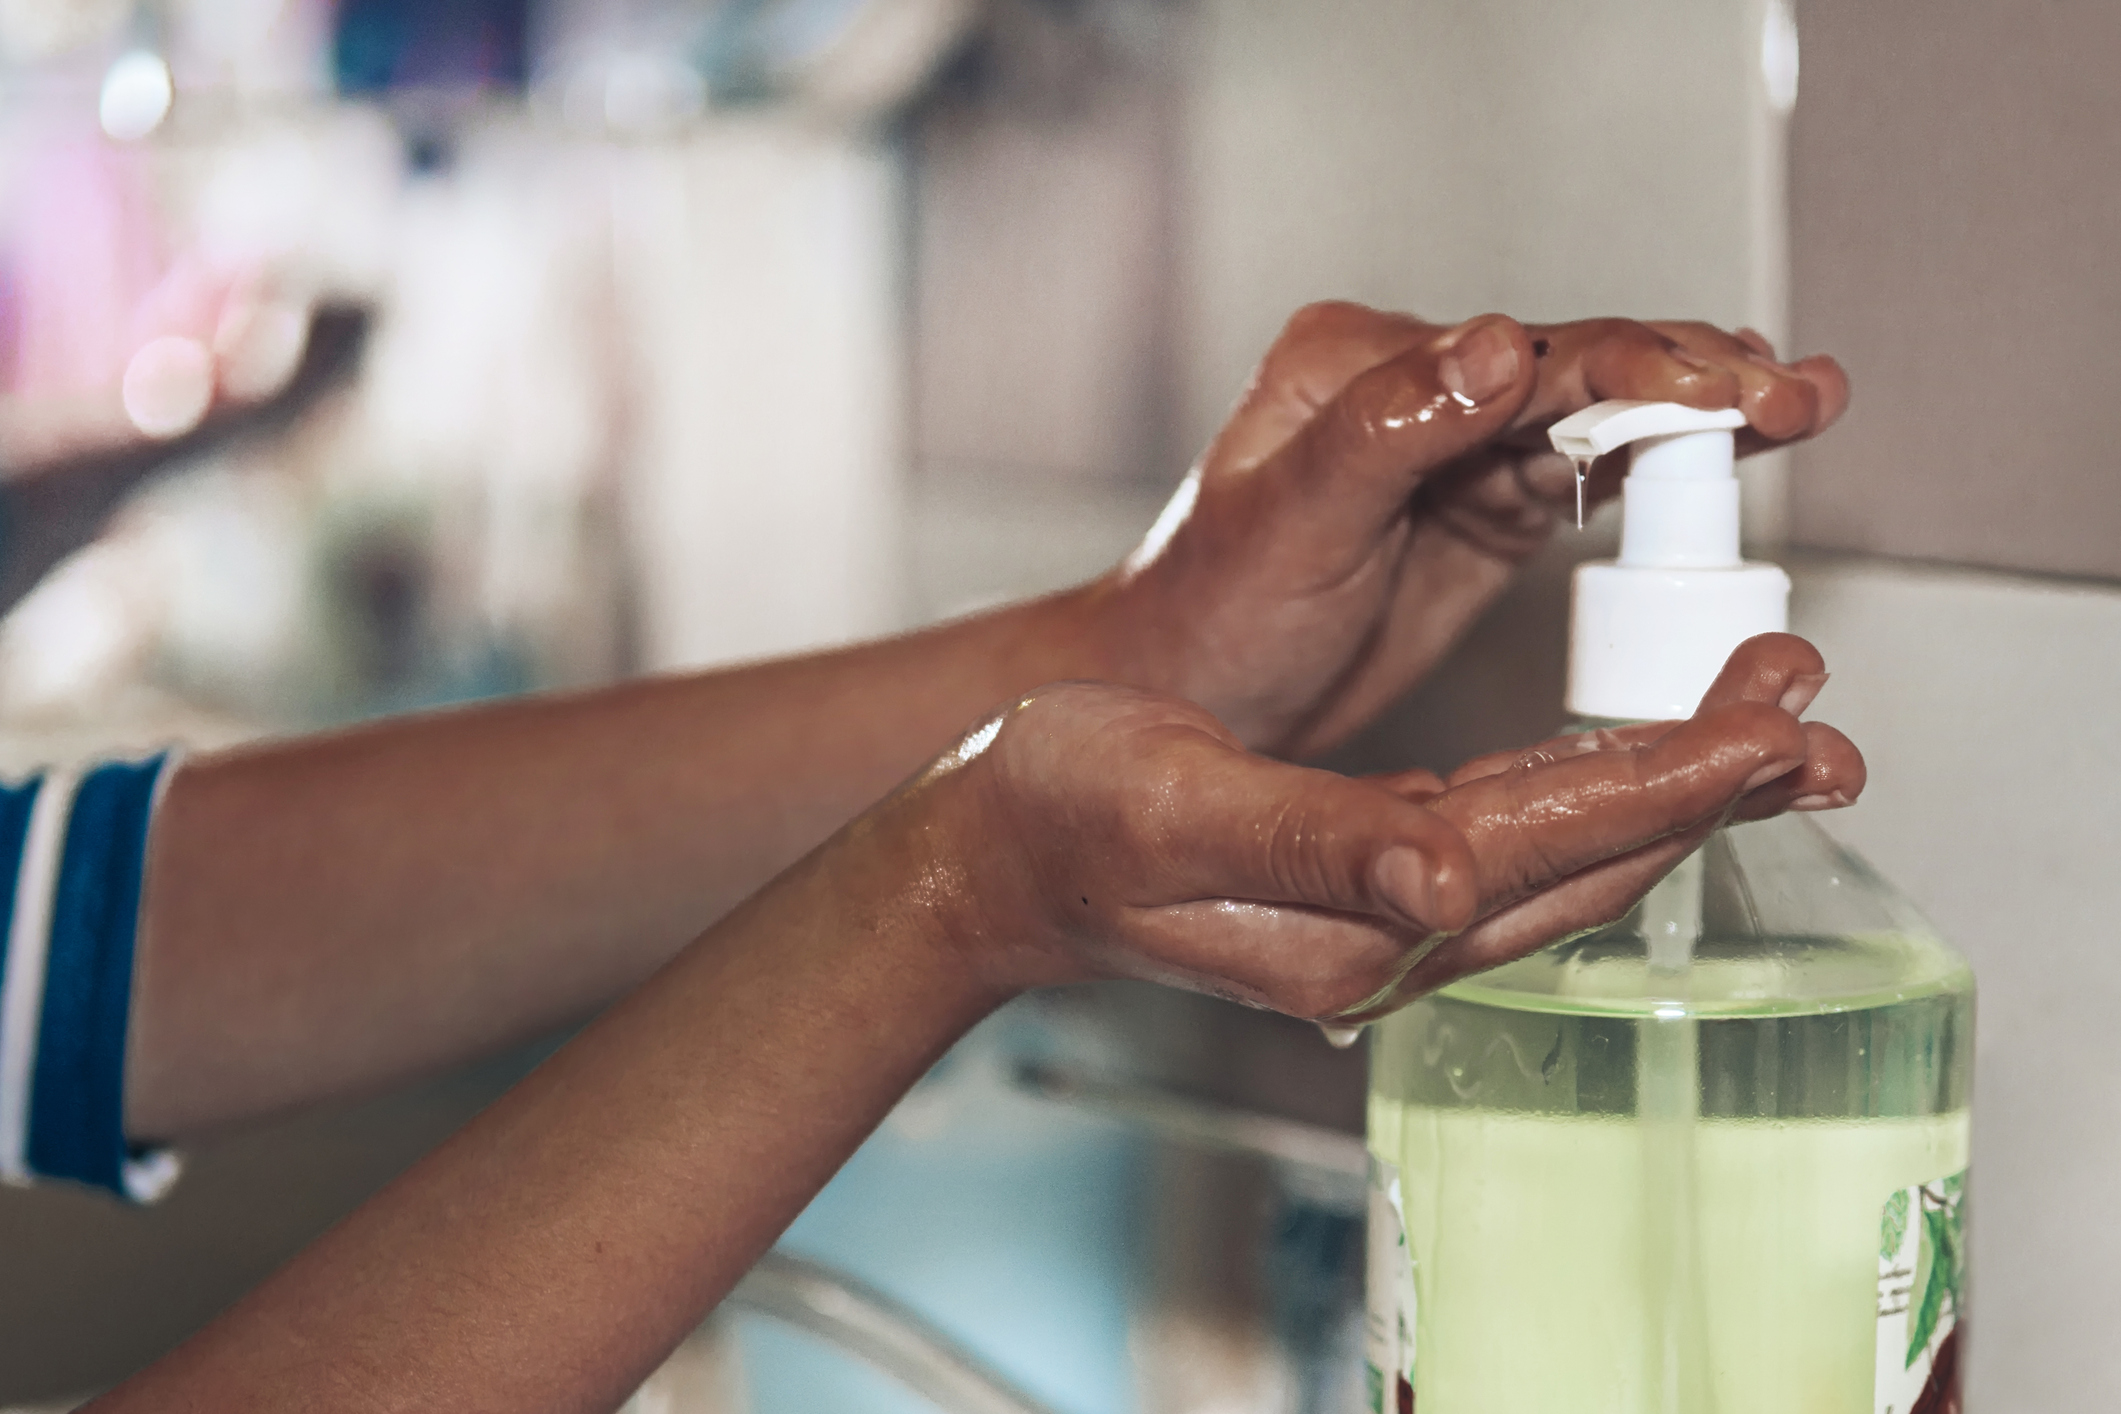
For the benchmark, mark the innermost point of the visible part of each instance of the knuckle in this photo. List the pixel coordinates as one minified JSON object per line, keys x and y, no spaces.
{"x":1292,"y":858}
{"x":1148,"y":806}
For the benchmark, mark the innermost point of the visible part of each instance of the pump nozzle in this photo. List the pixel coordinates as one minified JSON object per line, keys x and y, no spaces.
{"x":1609,"y":426}
{"x":1649,"y":632}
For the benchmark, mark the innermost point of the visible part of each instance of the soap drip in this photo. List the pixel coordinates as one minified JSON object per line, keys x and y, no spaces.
{"x":1583,"y":471}
{"x":1340,"y":1037}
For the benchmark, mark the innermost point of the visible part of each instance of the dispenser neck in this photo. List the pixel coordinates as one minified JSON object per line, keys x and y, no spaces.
{"x":1680,"y":503}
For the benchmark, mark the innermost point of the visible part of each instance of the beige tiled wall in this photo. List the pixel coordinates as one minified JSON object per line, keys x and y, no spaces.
{"x":1955,"y":200}
{"x":1551,"y":161}
{"x":1954,"y":208}
{"x":1986,"y":707}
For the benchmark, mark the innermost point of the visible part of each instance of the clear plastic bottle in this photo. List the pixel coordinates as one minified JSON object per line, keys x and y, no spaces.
{"x":1708,"y":1160}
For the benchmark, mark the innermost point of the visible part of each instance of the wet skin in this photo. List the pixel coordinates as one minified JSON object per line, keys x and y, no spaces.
{"x":328,"y":915}
{"x":336,"y":914}
{"x":1376,"y":487}
{"x":1098,"y":831}
{"x":550,"y":1254}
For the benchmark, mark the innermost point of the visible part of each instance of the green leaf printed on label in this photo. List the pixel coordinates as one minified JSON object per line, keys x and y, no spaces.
{"x":1892,"y":1229}
{"x":1927,"y":1295}
{"x":1921,"y":1298}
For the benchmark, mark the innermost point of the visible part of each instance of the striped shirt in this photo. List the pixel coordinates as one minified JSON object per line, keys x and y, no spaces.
{"x":73,"y":847}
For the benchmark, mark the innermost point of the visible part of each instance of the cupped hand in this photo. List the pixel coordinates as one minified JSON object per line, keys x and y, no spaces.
{"x":1374,"y":489}
{"x":1095,"y":831}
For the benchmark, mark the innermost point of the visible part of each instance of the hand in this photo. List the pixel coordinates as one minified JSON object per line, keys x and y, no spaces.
{"x":1375,"y":488}
{"x":203,"y":345}
{"x":1095,"y":831}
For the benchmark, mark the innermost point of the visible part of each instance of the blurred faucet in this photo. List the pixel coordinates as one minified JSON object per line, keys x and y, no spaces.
{"x":1326,"y":1153}
{"x":862,"y":1321}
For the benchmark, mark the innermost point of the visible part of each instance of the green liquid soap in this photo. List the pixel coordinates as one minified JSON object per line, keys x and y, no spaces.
{"x":1656,"y":1169}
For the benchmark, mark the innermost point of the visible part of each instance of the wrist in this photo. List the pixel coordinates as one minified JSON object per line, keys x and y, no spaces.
{"x":1093,"y":632}
{"x":970,"y":868}
{"x":916,"y":882}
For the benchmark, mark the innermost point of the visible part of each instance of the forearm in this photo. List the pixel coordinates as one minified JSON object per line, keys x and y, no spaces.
{"x":549,"y":1256}
{"x":329,"y":915}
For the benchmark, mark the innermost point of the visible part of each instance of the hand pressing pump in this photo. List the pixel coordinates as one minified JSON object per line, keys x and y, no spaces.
{"x":1710,"y":1158}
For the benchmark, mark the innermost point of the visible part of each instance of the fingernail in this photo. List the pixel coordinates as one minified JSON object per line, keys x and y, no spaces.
{"x":1832,"y":800}
{"x":1800,"y":692}
{"x":1769,"y":772}
{"x":1480,"y":364}
{"x":1407,"y":881}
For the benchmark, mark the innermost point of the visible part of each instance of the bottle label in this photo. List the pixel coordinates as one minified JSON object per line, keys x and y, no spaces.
{"x":1389,"y":1293}
{"x":1921,"y":1291}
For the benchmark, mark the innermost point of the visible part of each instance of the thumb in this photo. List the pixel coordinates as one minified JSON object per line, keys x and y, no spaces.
{"x":1270,"y":832}
{"x":1353,"y":466}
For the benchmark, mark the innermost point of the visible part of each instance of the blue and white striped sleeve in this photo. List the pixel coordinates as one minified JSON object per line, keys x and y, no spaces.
{"x":73,"y":848}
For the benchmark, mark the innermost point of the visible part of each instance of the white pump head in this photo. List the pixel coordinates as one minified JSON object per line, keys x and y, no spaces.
{"x":1649,"y":632}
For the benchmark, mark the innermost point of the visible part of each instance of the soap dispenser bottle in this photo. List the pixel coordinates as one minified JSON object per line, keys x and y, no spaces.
{"x":1710,"y":1159}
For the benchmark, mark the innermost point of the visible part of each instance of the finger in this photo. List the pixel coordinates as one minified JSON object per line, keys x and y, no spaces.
{"x":1687,"y":362}
{"x":1832,"y":381}
{"x":1319,"y":351}
{"x":1592,"y":898}
{"x":1779,"y":403}
{"x":1830,"y":397}
{"x":1778,"y":668}
{"x":1769,"y":667}
{"x":1784,"y":402}
{"x":1595,"y":359}
{"x":1559,"y":748}
{"x":1234,"y":826}
{"x":1352,"y":468}
{"x":1501,"y":501}
{"x":1528,"y":828}
{"x":1832,"y":777}
{"x":1289,"y":888}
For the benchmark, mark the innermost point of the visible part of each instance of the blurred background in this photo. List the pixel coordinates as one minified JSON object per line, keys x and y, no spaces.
{"x":362,"y":356}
